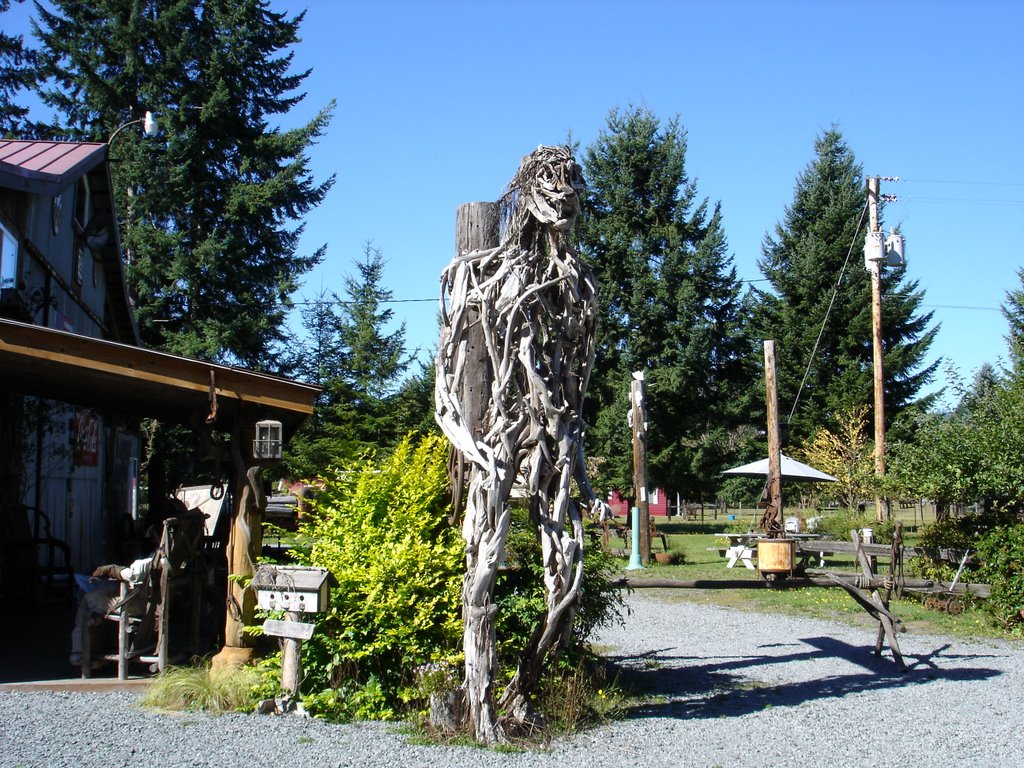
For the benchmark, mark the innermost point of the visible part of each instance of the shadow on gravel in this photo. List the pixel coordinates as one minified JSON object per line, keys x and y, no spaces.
{"x":688,"y":687}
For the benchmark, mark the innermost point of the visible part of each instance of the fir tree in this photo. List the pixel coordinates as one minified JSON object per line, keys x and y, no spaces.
{"x":349,"y":351}
{"x":210,"y":208}
{"x":374,"y":358}
{"x":669,"y":306}
{"x":1013,"y":311}
{"x":817,"y":251}
{"x":17,"y":74}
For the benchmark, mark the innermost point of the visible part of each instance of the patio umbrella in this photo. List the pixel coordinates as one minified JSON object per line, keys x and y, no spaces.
{"x":791,"y":469}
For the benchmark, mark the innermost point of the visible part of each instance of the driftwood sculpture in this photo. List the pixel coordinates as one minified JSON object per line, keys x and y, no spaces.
{"x":536,"y":303}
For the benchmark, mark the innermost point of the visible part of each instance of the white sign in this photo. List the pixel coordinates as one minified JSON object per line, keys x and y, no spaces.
{"x":297,"y":630}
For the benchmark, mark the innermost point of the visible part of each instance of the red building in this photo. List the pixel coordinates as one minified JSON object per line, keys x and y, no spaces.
{"x":657,"y":504}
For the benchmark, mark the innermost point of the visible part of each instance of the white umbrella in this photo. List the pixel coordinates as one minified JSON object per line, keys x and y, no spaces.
{"x":791,"y":470}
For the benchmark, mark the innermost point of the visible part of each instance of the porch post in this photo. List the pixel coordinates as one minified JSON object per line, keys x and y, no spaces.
{"x":245,"y":543}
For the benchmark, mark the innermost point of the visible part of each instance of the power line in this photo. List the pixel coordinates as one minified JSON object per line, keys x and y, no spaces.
{"x":960,"y":306}
{"x":976,"y":200}
{"x":828,"y":311}
{"x":344,"y":302}
{"x":961,"y":182}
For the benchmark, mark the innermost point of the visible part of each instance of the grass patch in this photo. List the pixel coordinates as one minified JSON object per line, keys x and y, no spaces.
{"x":197,"y":688}
{"x":699,"y":545}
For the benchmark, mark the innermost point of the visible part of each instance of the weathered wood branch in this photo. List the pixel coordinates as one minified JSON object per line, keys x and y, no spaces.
{"x":528,"y":308}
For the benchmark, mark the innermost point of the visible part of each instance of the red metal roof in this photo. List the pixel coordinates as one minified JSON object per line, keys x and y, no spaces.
{"x":46,"y":166}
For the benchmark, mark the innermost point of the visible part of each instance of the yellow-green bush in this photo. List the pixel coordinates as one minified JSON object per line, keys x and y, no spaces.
{"x":381,"y":529}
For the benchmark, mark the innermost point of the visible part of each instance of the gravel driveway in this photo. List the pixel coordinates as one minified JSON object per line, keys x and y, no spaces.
{"x":730,"y":689}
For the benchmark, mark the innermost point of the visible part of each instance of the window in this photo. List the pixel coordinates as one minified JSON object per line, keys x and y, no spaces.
{"x":8,"y":259}
{"x":83,"y":204}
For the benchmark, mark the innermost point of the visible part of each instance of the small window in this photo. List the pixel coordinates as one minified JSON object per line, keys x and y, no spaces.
{"x":83,"y":204}
{"x":8,"y":259}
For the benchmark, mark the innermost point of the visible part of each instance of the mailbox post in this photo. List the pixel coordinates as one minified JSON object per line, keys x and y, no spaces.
{"x":295,"y":590}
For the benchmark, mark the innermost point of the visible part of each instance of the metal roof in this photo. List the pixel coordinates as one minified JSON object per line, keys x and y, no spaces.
{"x":46,"y":167}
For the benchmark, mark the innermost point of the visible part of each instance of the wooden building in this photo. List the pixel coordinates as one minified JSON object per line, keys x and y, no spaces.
{"x":74,"y":381}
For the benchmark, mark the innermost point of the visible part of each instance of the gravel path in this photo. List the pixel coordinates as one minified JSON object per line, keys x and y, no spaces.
{"x":731,"y":689}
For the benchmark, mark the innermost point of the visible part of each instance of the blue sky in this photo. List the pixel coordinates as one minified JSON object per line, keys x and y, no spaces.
{"x":438,"y":101}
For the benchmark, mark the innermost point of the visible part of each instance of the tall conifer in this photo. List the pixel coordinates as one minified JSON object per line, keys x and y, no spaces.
{"x":210,"y":206}
{"x":16,"y":75}
{"x":669,"y":306}
{"x":817,"y":250}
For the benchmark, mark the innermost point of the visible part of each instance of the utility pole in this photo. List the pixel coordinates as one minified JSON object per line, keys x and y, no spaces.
{"x":879,"y":250}
{"x":875,"y":270}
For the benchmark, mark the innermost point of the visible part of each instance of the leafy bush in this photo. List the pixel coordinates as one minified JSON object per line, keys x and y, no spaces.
{"x":837,"y":525}
{"x":380,"y":528}
{"x":961,"y":532}
{"x":1001,"y":554}
{"x":393,"y":633}
{"x":519,"y":593}
{"x":996,"y":540}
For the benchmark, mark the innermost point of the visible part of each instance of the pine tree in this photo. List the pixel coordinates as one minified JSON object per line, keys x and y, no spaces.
{"x":1013,"y":311}
{"x":374,"y":359}
{"x":818,"y":247}
{"x":669,"y":306}
{"x":209,"y":207}
{"x":349,"y":351}
{"x":16,"y":75}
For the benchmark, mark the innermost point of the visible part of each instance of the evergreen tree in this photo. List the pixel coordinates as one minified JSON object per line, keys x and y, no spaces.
{"x":209,"y":208}
{"x":817,"y":248}
{"x":349,"y":351}
{"x":374,"y":359}
{"x":669,"y":306}
{"x":1013,"y":311}
{"x":16,"y":75}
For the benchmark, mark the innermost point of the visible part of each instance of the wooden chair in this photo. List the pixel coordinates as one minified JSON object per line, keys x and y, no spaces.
{"x":142,"y":613}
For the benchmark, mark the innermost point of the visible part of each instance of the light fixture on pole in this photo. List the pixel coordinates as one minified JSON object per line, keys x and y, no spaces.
{"x":149,"y":126}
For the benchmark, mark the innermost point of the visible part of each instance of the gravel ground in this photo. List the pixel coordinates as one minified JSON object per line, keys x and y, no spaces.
{"x":730,"y":689}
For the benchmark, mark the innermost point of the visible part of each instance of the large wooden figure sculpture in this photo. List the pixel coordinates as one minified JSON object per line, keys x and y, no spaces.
{"x":536,"y":303}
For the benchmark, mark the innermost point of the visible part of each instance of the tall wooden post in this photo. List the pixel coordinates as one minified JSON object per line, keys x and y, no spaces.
{"x":875,"y":269}
{"x":774,"y":442}
{"x":476,"y":228}
{"x":638,"y":416}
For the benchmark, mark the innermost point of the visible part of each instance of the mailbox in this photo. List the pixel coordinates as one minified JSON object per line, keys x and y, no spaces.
{"x":293,"y":588}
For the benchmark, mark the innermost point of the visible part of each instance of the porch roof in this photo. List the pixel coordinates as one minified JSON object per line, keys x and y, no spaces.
{"x":123,"y":379}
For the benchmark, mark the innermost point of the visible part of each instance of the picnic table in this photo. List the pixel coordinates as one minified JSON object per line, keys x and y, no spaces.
{"x":743,"y":546}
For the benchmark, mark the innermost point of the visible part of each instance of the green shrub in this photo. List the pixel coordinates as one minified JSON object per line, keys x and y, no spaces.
{"x":1001,"y":556}
{"x":960,"y":532}
{"x":837,"y":525}
{"x":393,"y":633}
{"x":381,"y":529}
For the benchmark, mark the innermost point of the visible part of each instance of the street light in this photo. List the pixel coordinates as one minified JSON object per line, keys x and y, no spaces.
{"x":149,"y":126}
